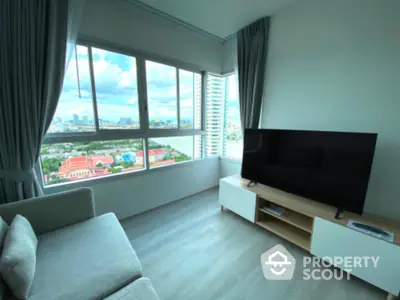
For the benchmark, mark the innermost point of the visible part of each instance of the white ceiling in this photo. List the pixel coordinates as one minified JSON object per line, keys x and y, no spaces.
{"x":218,"y":17}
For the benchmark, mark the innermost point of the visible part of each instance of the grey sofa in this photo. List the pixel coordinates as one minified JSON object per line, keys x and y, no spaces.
{"x":80,"y":255}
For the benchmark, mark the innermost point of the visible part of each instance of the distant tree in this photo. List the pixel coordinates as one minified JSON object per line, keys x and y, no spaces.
{"x":182,"y":157}
{"x":127,"y":164}
{"x":50,"y":165}
{"x":58,"y":180}
{"x":115,"y":170}
{"x":99,"y":165}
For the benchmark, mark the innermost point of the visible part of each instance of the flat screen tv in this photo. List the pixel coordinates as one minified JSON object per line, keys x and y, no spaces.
{"x":329,"y":167}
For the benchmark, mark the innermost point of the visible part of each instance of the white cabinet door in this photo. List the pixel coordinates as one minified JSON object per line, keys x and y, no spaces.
{"x":330,"y":240}
{"x":237,"y":199}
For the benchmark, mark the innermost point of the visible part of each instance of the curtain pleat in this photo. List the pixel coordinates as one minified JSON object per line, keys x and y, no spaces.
{"x":252,"y":44}
{"x":33,"y":39}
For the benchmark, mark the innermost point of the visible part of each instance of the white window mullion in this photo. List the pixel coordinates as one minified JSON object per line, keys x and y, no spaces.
{"x":142,"y":95}
{"x":146,"y":159}
{"x":224,"y":116}
{"x":203,"y":112}
{"x":143,"y":108}
{"x":93,"y":84}
{"x":178,"y":100}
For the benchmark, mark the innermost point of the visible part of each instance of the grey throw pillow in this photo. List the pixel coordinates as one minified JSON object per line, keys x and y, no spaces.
{"x":18,"y":259}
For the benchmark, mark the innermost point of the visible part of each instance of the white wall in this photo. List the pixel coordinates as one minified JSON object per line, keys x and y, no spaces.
{"x":130,"y":194}
{"x":123,"y":24}
{"x":229,"y":167}
{"x":335,"y":65}
{"x":229,"y":59}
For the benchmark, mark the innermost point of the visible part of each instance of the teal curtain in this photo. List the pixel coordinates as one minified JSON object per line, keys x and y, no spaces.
{"x":252,"y":46}
{"x":33,"y":39}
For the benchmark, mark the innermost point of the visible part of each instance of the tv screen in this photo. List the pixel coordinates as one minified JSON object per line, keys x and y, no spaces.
{"x":329,"y":167}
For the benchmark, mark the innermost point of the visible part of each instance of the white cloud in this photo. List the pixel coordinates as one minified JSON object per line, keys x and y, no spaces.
{"x":233,"y":89}
{"x":110,"y":111}
{"x":186,"y":103}
{"x":66,"y":109}
{"x":161,"y":93}
{"x":159,"y":72}
{"x":132,"y":101}
{"x":129,"y":79}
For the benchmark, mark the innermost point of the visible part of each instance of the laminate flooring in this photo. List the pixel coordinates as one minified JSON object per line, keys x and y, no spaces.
{"x":191,"y":250}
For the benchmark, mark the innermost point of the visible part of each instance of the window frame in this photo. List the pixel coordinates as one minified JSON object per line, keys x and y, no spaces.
{"x":144,"y":132}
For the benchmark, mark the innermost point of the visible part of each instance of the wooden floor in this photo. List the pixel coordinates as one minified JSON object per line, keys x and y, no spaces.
{"x":191,"y":250}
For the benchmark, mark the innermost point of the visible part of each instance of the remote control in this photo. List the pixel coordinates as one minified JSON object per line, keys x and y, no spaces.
{"x":370,"y":228}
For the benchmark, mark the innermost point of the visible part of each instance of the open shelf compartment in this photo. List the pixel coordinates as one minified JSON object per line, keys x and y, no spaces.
{"x":288,"y":232}
{"x":296,"y":219}
{"x":291,"y":225}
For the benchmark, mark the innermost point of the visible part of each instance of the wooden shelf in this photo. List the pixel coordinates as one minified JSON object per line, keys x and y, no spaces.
{"x":288,"y":232}
{"x":300,"y":221}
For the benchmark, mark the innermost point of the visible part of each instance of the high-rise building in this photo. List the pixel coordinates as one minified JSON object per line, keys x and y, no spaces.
{"x":85,"y":120}
{"x":215,"y":98}
{"x":197,"y":101}
{"x":122,"y":121}
{"x":75,"y":119}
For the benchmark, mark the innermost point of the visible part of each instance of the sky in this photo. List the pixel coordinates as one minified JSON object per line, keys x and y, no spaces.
{"x":232,"y":103}
{"x":116,"y":88}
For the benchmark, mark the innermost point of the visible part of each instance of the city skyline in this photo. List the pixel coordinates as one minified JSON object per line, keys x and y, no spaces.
{"x":75,"y":120}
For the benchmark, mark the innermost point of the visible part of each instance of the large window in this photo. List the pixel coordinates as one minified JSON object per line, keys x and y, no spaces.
{"x":122,"y":113}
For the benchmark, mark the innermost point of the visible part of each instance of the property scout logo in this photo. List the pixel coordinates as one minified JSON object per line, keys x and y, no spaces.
{"x":278,"y":264}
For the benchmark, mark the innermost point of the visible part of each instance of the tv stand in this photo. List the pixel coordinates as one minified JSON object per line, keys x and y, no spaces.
{"x":338,"y":212}
{"x":316,"y":228}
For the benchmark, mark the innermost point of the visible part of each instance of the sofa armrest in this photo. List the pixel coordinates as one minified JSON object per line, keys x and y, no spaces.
{"x":51,"y":212}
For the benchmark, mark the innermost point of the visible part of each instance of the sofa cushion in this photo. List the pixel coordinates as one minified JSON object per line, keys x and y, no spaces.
{"x":141,"y":289}
{"x":18,"y":259}
{"x":88,"y":260}
{"x":3,"y":232}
